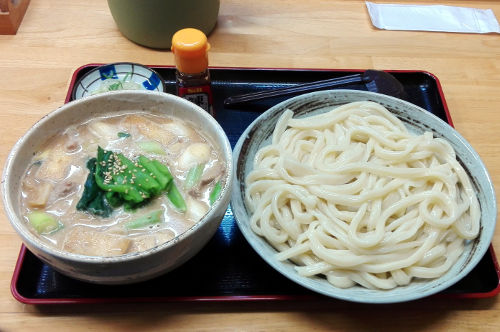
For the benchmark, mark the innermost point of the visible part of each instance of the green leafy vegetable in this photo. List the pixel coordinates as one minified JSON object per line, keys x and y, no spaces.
{"x":137,"y":176}
{"x":123,"y":134}
{"x":93,"y":198}
{"x":112,"y":176}
{"x":162,"y":177}
{"x":114,"y":180}
{"x":162,"y":168}
{"x":113,"y":199}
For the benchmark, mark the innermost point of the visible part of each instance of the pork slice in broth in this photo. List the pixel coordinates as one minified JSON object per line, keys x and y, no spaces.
{"x":37,"y":193}
{"x":87,"y":241}
{"x":55,"y":166}
{"x":195,"y":154}
{"x":212,"y":172}
{"x":148,"y":129}
{"x":145,"y":242}
{"x":195,"y":209}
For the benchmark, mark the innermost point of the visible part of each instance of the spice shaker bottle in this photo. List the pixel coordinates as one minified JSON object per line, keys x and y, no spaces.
{"x":190,"y":48}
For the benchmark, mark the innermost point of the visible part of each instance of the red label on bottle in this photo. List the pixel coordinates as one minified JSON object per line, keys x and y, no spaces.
{"x":200,"y":95}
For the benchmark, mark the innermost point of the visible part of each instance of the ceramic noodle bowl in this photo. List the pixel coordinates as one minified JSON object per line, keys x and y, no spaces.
{"x":417,"y":121}
{"x":129,"y":266}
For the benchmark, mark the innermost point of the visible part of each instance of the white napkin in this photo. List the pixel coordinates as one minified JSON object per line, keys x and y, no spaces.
{"x":432,"y":18}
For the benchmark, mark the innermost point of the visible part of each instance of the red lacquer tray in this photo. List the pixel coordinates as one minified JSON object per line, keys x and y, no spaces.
{"x":228,"y":269}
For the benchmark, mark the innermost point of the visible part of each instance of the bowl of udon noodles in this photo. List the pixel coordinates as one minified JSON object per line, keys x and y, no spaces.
{"x":362,"y":197}
{"x":119,"y":187}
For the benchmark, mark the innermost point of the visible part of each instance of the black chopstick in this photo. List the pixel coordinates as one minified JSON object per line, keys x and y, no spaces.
{"x":302,"y":87}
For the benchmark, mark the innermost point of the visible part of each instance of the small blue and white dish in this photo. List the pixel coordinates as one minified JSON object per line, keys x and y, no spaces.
{"x":118,"y":76}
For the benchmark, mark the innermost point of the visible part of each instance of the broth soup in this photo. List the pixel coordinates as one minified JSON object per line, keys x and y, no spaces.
{"x":120,"y":184}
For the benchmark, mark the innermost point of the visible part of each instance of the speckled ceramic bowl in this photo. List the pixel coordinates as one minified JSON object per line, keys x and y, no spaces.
{"x":118,"y":76}
{"x":132,"y":267}
{"x":417,"y":120}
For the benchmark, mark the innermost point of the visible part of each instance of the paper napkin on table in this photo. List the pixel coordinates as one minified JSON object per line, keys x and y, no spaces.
{"x":432,"y":18}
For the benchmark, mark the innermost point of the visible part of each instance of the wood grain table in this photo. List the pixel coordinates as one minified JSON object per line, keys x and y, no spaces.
{"x":57,"y":36}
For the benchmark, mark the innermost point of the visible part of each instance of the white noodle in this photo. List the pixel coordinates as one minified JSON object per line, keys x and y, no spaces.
{"x":352,"y":195}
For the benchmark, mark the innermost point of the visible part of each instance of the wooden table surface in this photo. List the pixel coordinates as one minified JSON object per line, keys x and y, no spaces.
{"x":58,"y":36}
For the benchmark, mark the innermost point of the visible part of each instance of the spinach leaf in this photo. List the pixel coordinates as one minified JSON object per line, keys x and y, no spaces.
{"x":93,"y":198}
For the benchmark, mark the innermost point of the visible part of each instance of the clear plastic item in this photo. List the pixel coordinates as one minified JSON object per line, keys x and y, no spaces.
{"x":432,"y":18}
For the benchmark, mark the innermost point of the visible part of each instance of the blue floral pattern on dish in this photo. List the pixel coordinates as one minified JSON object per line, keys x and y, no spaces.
{"x":118,"y":76}
{"x":107,"y":71}
{"x":152,"y":82}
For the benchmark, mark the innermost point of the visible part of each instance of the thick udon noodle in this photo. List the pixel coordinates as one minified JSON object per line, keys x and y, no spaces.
{"x":352,"y":195}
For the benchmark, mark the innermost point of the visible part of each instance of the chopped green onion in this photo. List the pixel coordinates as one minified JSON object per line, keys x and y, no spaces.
{"x":126,"y":76}
{"x":215,"y":193}
{"x":146,"y":220}
{"x":122,"y":134}
{"x":175,"y":197}
{"x":43,"y":223}
{"x":194,"y":176}
{"x":115,"y":86}
{"x":151,"y":147}
{"x":106,"y":76}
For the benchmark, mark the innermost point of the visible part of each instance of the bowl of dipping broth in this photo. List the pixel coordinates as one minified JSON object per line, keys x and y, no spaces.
{"x":362,"y":197}
{"x":119,"y":187}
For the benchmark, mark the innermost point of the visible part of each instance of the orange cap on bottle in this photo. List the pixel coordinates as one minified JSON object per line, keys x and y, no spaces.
{"x":190,"y":47}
